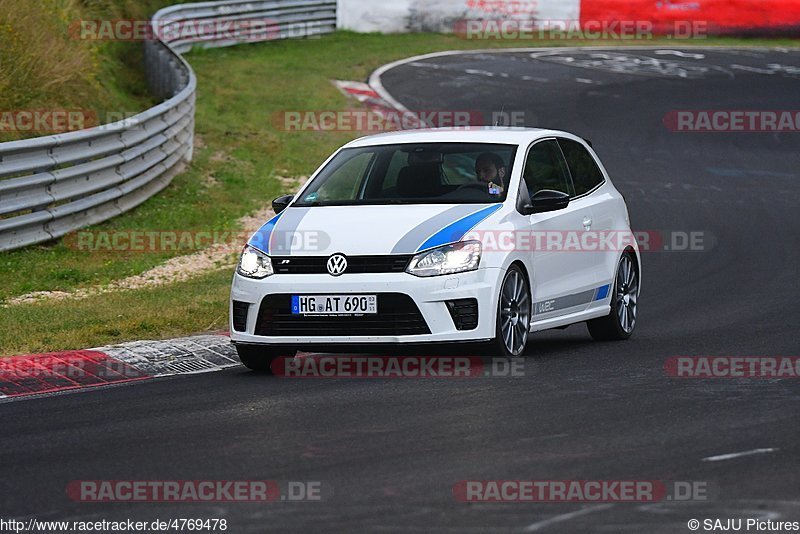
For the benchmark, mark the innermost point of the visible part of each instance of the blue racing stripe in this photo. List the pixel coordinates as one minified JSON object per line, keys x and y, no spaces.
{"x":408,"y":243}
{"x":602,"y":292}
{"x":454,"y":232}
{"x":261,"y":238}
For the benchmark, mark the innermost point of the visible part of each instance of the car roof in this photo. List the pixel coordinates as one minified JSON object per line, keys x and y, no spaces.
{"x":482,"y":134}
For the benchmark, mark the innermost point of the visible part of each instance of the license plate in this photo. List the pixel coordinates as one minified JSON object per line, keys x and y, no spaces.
{"x":334,"y":304}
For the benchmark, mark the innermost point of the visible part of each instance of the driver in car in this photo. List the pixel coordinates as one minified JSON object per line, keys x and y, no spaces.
{"x":491,"y":170}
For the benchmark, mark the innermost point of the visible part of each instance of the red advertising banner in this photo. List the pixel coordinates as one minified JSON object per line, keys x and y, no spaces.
{"x":720,"y":16}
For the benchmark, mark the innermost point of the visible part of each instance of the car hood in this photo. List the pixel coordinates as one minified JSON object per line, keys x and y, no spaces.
{"x":368,"y":230}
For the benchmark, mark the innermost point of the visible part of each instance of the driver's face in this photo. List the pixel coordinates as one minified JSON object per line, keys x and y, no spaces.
{"x":486,"y":171}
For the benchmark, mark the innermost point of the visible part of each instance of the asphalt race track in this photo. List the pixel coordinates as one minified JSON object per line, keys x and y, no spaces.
{"x":389,"y":451}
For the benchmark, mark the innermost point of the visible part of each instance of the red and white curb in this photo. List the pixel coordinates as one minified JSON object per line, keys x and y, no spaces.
{"x":377,"y":101}
{"x":365,"y":94}
{"x":38,"y":374}
{"x":395,"y":116}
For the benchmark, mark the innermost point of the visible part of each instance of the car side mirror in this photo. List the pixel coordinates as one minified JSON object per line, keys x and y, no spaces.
{"x":545,"y":201}
{"x":281,"y":203}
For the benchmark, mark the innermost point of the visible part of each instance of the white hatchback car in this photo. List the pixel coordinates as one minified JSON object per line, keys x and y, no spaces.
{"x":440,"y":236}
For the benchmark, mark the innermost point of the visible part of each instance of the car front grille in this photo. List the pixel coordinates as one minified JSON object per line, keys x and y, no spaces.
{"x":355,"y":264}
{"x":397,"y":316}
{"x":464,"y":313}
{"x":240,"y":311}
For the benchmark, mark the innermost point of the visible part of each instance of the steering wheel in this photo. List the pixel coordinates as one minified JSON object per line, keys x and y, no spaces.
{"x":475,"y":185}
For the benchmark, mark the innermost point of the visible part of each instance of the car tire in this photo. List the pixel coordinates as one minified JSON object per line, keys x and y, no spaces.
{"x":620,"y":323}
{"x":259,"y":359}
{"x":513,"y":315}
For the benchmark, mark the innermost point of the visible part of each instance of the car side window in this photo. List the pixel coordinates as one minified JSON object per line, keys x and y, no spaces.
{"x":586,"y":175}
{"x":545,"y":169}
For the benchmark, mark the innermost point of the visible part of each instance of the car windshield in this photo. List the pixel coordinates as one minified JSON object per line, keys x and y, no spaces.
{"x":427,"y":173}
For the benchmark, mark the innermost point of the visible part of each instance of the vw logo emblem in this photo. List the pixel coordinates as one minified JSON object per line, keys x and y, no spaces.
{"x":337,"y":265}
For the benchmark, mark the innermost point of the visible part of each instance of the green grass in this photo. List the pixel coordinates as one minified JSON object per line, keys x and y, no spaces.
{"x":240,"y":91}
{"x":44,"y":66}
{"x":198,"y":305}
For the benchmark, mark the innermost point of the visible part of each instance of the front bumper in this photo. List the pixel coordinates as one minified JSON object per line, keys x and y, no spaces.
{"x":429,"y":294}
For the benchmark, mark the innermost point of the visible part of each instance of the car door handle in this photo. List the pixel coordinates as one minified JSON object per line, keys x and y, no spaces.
{"x":587,"y":223}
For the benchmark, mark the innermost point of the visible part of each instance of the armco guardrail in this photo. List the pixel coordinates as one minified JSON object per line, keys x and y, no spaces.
{"x":52,"y":185}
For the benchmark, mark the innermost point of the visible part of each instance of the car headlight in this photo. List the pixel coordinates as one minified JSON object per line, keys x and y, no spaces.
{"x":450,"y":259}
{"x":255,"y":264}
